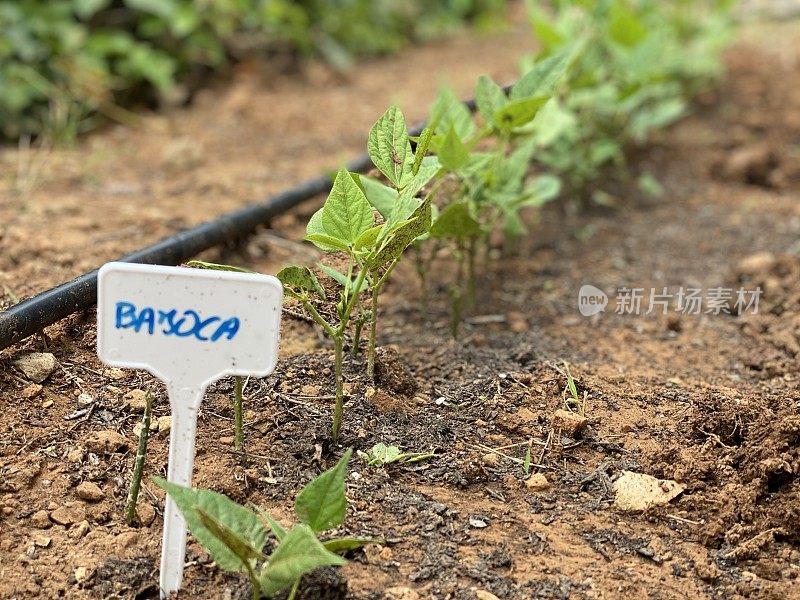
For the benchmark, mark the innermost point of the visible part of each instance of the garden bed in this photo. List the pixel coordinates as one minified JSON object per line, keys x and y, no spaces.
{"x":708,"y":400}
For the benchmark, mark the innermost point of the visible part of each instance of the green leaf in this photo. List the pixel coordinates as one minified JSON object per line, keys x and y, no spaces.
{"x":322,"y":504}
{"x":650,"y":186}
{"x":552,"y":121}
{"x":161,"y":8}
{"x":624,"y":27}
{"x":277,"y":529}
{"x":456,"y":222}
{"x":367,"y":239}
{"x":315,"y":228}
{"x":298,"y":280}
{"x":542,"y":78}
{"x":422,"y":147}
{"x":381,"y":454}
{"x":381,"y":197}
{"x":404,"y":235}
{"x":448,"y":111}
{"x":489,"y":97}
{"x":429,"y":167}
{"x":654,"y":117}
{"x":346,"y":213}
{"x":544,"y":189}
{"x":390,"y":149}
{"x":241,"y":521}
{"x":526,"y":464}
{"x":452,"y":153}
{"x":340,"y":545}
{"x":299,"y":553}
{"x":518,"y":112}
{"x":239,"y":546}
{"x":341,"y":278}
{"x":327,"y":243}
{"x":86,"y":8}
{"x":545,"y":32}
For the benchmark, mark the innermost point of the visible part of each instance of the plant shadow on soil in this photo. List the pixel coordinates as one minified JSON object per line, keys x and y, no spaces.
{"x":709,"y":400}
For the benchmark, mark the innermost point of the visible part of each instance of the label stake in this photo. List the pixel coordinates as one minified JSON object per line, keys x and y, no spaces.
{"x":188,"y":327}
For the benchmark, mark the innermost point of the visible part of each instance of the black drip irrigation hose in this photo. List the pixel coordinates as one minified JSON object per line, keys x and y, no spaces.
{"x":34,"y":314}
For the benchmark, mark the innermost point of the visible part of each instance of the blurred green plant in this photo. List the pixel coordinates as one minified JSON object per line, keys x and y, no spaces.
{"x":643,"y":62}
{"x":63,"y":62}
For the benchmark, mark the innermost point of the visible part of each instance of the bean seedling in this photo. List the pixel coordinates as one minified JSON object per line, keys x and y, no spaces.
{"x":346,"y":224}
{"x":235,"y":536}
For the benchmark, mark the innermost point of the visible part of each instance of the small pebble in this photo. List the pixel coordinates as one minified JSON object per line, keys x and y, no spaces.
{"x":90,"y":492}
{"x":37,"y":366}
{"x":41,"y":520}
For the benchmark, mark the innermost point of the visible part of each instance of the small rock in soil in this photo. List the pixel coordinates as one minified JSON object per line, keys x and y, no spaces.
{"x":116,"y":374}
{"x":636,"y":492}
{"x":85,"y":399}
{"x":41,"y":520}
{"x":400,"y":593}
{"x":82,"y":574}
{"x":517,"y":322}
{"x":136,"y":400}
{"x":137,"y":429}
{"x":569,"y":423}
{"x":491,"y":459}
{"x":145,"y":513}
{"x":75,"y":455}
{"x":66,"y":515}
{"x":37,"y":366}
{"x":41,"y":541}
{"x":537,"y":483}
{"x":707,"y":571}
{"x":391,"y":371}
{"x":90,"y":492}
{"x":751,"y":164}
{"x":484,"y":595}
{"x":31,"y":391}
{"x":80,"y":530}
{"x":760,"y":262}
{"x":126,"y":539}
{"x":164,"y":423}
{"x":477,"y":523}
{"x":106,"y":442}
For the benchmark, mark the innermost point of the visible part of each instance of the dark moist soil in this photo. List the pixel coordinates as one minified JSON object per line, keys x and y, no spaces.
{"x":708,"y":400}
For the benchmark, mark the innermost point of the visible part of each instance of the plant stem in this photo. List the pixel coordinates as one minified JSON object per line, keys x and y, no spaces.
{"x":373,"y":334}
{"x":318,"y":318}
{"x":422,"y":272}
{"x":339,"y":407}
{"x":373,"y":326}
{"x":238,"y":434}
{"x":293,"y":592}
{"x":254,"y":583}
{"x":456,"y":292}
{"x":138,"y":467}
{"x":359,"y":325}
{"x":471,"y":252}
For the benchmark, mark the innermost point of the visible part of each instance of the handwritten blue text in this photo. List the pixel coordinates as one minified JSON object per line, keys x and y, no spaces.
{"x":169,"y":322}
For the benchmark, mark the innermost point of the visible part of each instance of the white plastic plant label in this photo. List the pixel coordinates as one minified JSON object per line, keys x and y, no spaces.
{"x":188,"y":327}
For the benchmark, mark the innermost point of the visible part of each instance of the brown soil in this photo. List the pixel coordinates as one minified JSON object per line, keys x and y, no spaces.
{"x":711,"y":401}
